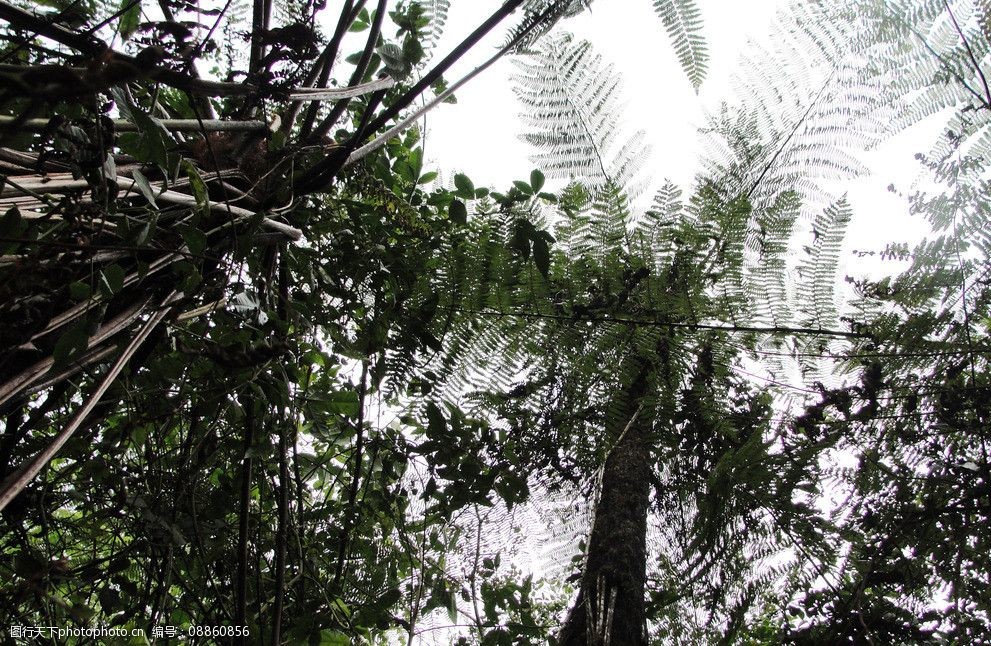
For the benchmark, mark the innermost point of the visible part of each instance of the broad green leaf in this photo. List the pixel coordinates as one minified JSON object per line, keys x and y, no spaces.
{"x":465,"y":187}
{"x":142,"y":183}
{"x":152,"y":142}
{"x":199,"y":187}
{"x":130,"y":18}
{"x":194,"y":238}
{"x":436,"y":424}
{"x":71,"y":344}
{"x":523,"y":187}
{"x":111,"y":279}
{"x":79,"y":291}
{"x":334,"y":638}
{"x":343,"y":402}
{"x":458,"y":212}
{"x":536,"y":181}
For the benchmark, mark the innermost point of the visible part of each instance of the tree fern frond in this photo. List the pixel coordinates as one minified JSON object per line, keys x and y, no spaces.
{"x":436,"y":12}
{"x":683,"y":22}
{"x":571,"y":101}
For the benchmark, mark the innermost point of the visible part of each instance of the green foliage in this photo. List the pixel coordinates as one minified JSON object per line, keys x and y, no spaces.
{"x":245,"y":465}
{"x":237,"y":469}
{"x":683,"y":22}
{"x":571,"y":106}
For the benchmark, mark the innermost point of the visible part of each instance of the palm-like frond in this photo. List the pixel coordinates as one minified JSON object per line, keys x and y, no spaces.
{"x":683,"y":22}
{"x":571,"y":102}
{"x":435,"y":11}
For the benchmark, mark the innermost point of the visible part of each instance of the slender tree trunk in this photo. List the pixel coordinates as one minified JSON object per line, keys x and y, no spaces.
{"x":610,"y":608}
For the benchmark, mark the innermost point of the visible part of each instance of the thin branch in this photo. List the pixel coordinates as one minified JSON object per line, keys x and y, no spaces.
{"x":925,"y":43}
{"x":175,"y":125}
{"x":323,"y":171}
{"x":241,"y":576}
{"x":409,"y":121}
{"x":349,"y":510}
{"x":320,"y":72}
{"x":668,"y":324}
{"x":435,"y":74}
{"x":970,"y":53}
{"x":259,"y":27}
{"x":359,"y":72}
{"x":282,"y":530}
{"x":791,"y":134}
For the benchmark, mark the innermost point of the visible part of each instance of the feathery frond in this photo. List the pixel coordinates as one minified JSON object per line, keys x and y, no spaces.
{"x":683,"y":22}
{"x":571,"y":102}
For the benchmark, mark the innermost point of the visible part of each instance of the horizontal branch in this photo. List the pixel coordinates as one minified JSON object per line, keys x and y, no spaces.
{"x":175,"y":125}
{"x":37,"y":187}
{"x":328,"y":93}
{"x":669,"y":324}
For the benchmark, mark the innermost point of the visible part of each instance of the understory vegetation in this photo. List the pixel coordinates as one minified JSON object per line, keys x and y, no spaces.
{"x":262,"y":367}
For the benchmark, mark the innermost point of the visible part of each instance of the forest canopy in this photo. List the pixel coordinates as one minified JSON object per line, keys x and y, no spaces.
{"x":269,"y":376}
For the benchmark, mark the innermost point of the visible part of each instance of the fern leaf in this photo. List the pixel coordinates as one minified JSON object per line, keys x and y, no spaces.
{"x":571,"y":101}
{"x":539,"y":16}
{"x":436,"y":12}
{"x":683,"y":22}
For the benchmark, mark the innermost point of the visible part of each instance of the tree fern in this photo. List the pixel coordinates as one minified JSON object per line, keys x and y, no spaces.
{"x":435,"y":12}
{"x":683,"y":22}
{"x":571,"y":102}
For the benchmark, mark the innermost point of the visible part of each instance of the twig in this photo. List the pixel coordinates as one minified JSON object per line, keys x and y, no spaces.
{"x":326,"y":93}
{"x":359,"y":73}
{"x":970,"y":53}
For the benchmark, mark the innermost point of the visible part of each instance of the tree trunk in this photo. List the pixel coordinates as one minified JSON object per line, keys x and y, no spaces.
{"x":610,"y":609}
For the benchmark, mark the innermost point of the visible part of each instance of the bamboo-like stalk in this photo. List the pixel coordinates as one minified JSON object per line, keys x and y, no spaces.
{"x":29,"y":160}
{"x":359,"y":73}
{"x":175,"y":125}
{"x":203,"y":309}
{"x":328,"y":93}
{"x":318,"y":175}
{"x":24,"y":474}
{"x":79,"y":309}
{"x":91,"y":357}
{"x":39,"y":187}
{"x":406,"y":123}
{"x":26,"y":377}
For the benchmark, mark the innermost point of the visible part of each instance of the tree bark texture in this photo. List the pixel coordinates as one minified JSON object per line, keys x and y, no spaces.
{"x":610,"y":608}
